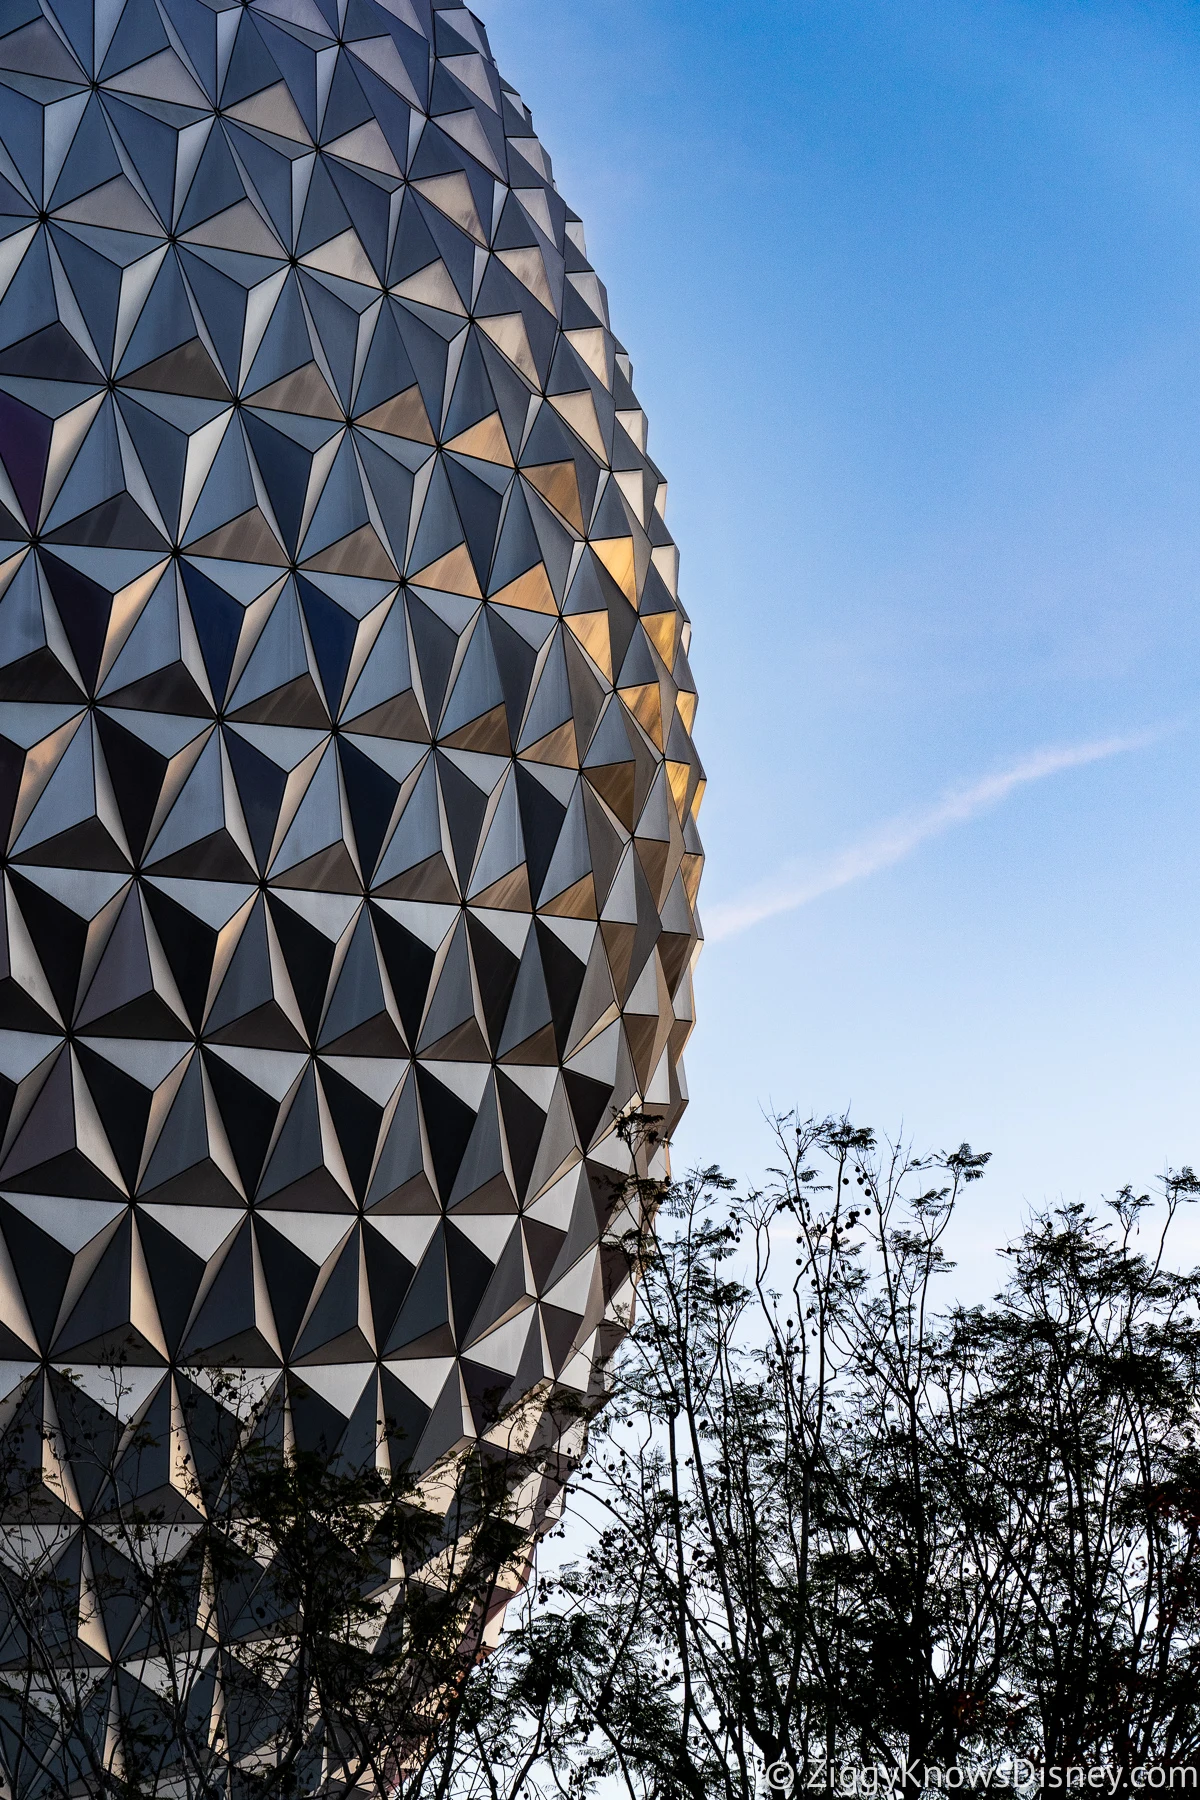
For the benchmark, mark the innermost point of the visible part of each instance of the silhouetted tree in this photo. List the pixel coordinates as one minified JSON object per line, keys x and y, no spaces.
{"x":834,"y":1523}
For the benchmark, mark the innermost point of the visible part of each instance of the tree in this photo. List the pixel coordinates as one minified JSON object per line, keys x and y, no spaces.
{"x":836,"y":1524}
{"x":1084,"y":1404}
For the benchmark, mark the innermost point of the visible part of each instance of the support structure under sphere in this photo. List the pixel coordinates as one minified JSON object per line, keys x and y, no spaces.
{"x":346,"y":773}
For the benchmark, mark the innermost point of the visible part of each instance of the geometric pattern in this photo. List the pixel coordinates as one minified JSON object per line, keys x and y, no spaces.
{"x":346,"y":771}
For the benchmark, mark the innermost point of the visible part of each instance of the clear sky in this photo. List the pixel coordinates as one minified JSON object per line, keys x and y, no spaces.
{"x":912,"y":290}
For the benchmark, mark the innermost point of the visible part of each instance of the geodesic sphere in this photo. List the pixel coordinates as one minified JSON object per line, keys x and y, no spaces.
{"x":345,"y":716}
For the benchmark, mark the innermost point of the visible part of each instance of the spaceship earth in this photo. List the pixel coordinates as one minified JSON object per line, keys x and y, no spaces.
{"x":346,"y":767}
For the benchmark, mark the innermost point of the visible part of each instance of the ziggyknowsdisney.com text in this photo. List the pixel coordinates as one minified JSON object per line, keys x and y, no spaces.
{"x":1013,"y":1773}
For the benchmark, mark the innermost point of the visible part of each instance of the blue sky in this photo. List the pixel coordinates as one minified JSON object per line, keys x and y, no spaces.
{"x":912,"y":290}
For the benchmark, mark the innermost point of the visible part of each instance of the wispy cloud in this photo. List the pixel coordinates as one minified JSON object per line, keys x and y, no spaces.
{"x":797,"y":883}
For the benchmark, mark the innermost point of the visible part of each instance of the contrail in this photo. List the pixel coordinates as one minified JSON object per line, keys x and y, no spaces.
{"x":796,"y":884}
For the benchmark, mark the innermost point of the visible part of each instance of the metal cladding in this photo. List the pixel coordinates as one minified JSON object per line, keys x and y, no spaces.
{"x":345,"y":755}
